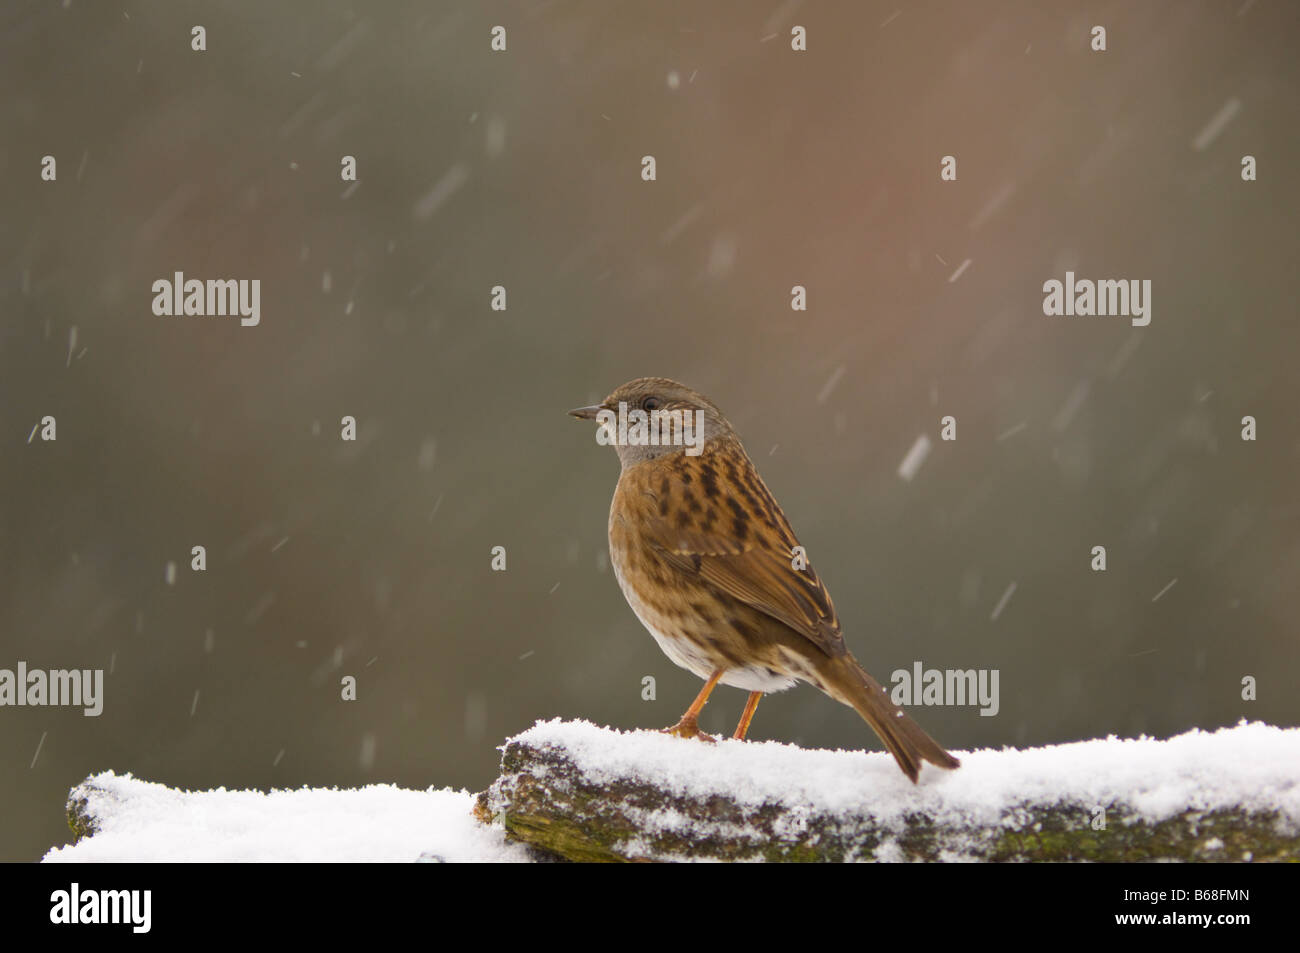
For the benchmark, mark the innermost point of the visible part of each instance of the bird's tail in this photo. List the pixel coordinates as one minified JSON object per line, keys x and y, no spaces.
{"x":847,"y":682}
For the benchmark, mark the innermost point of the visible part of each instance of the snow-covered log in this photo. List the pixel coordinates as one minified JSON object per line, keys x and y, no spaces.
{"x":573,"y":790}
{"x":589,"y":793}
{"x":121,"y":818}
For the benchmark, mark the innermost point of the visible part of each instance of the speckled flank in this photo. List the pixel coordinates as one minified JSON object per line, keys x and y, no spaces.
{"x":686,"y":497}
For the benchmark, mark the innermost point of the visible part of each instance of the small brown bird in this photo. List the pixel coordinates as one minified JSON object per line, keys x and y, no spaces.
{"x":709,"y":564}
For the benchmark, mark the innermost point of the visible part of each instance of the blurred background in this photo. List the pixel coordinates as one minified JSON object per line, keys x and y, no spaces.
{"x":523,"y":169}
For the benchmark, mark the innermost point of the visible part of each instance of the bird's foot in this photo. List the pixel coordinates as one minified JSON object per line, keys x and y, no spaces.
{"x":687,"y":728}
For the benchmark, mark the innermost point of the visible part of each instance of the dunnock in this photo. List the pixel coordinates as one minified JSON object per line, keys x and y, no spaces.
{"x":709,"y":564}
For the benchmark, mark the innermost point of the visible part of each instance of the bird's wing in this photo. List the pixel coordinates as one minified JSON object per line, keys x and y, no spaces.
{"x":722,"y":525}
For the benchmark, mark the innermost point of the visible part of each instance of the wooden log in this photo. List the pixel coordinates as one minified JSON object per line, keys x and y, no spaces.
{"x":565,"y":789}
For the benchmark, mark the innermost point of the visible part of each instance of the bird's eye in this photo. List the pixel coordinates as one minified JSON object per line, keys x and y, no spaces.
{"x":650,"y":403}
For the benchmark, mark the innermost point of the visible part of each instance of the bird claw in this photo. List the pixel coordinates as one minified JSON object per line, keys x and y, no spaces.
{"x":688,"y":729}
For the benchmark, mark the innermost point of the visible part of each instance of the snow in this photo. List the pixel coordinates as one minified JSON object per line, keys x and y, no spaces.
{"x":1252,"y":766}
{"x":147,"y":822}
{"x":914,"y":458}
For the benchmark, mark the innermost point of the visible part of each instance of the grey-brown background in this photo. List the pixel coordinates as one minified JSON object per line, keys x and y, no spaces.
{"x":775,"y":169}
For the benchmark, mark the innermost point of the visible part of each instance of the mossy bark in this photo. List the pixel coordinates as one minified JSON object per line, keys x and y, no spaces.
{"x":80,"y":819}
{"x":545,"y":800}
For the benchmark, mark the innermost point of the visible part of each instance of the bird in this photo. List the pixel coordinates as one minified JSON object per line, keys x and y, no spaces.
{"x":709,"y":564}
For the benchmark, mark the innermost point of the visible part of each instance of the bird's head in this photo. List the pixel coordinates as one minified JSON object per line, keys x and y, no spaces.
{"x":653,"y":416}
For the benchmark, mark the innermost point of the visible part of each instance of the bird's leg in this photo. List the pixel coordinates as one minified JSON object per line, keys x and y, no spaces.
{"x":747,"y":715}
{"x":688,"y":726}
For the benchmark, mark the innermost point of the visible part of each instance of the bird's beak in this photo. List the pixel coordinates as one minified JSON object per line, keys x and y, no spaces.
{"x":586,"y":413}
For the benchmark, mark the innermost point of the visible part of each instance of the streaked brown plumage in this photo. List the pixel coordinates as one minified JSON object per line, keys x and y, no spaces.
{"x":706,"y":559}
